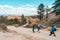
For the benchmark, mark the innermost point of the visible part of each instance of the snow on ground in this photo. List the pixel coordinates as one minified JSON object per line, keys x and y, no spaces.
{"x":27,"y":34}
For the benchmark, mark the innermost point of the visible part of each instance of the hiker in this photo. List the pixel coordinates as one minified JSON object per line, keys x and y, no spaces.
{"x":52,"y":30}
{"x":33,"y":28}
{"x":38,"y":27}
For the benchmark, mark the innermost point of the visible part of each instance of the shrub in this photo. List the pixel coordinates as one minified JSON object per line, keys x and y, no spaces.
{"x":3,"y":26}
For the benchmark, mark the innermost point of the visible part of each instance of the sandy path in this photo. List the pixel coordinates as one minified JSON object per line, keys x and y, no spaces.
{"x":26,"y":34}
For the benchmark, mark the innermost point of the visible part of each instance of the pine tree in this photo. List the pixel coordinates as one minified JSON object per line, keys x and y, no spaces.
{"x":40,"y":11}
{"x":57,"y":7}
{"x":47,"y":12}
{"x":23,"y":20}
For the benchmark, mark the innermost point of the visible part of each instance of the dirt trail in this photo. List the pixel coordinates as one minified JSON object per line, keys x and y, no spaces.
{"x":27,"y":34}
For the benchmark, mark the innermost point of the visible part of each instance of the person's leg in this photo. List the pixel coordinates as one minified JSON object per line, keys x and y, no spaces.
{"x":38,"y":30}
{"x":33,"y":30}
{"x":54,"y":34}
{"x":50,"y":33}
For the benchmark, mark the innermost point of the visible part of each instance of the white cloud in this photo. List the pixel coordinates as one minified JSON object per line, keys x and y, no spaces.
{"x":50,"y":6}
{"x":28,"y":5}
{"x":10,"y":10}
{"x":5,"y":6}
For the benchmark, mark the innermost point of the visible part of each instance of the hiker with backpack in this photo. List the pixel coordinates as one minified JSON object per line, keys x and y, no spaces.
{"x":52,"y":30}
{"x":36,"y":26}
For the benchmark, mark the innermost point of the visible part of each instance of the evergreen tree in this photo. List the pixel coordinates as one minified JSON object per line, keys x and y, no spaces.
{"x":57,"y":7}
{"x":47,"y":12}
{"x":23,"y":20}
{"x":40,"y":11}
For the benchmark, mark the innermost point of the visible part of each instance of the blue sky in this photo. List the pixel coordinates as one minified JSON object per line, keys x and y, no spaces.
{"x":24,"y":5}
{"x":17,"y":3}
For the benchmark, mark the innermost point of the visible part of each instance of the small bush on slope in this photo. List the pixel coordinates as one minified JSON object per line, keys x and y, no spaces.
{"x":3,"y":26}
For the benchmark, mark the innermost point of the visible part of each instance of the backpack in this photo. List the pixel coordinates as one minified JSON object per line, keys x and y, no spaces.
{"x":38,"y":26}
{"x":54,"y":29}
